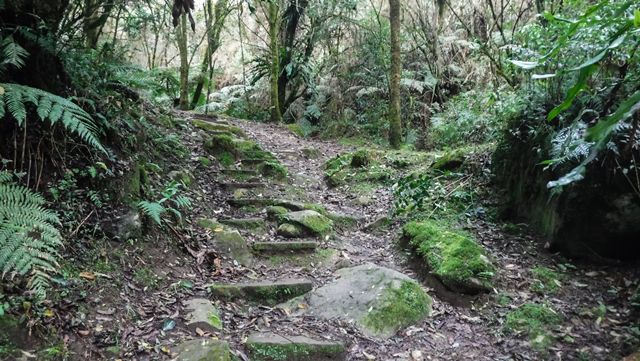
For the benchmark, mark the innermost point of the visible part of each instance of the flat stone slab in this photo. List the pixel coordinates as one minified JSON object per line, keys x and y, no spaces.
{"x":202,"y":349}
{"x":269,"y":293}
{"x":274,"y":347}
{"x":201,"y":313}
{"x":239,"y":172}
{"x":279,"y":247}
{"x":243,"y":202}
{"x":245,"y":223}
{"x":380,"y":301}
{"x":242,"y":185}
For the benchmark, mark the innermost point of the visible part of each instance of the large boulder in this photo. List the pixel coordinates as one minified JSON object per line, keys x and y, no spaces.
{"x":379,"y":300}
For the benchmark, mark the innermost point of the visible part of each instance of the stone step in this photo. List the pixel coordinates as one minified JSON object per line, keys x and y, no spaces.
{"x":268,"y":292}
{"x":274,"y":347}
{"x":244,"y":202}
{"x":241,"y":185}
{"x":239,"y":172}
{"x":252,"y":162}
{"x":280,"y":247}
{"x":244,"y":223}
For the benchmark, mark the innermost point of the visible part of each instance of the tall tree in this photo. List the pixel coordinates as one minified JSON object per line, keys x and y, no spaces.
{"x":181,"y":35}
{"x":214,"y":22}
{"x":395,"y":123}
{"x":274,"y":51}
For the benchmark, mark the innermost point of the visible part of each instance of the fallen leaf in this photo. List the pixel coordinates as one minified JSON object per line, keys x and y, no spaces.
{"x":84,"y":332}
{"x":87,"y":275}
{"x":199,"y":332}
{"x":48,"y":313}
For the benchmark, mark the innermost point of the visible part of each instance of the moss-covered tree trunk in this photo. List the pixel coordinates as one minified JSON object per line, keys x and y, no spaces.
{"x":215,"y":22}
{"x":395,"y":123}
{"x":184,"y":62}
{"x":274,"y":50}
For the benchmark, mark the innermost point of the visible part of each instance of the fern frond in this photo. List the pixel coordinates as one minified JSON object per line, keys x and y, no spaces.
{"x":29,"y":239}
{"x":50,"y":107}
{"x":12,"y":54}
{"x":153,"y":210}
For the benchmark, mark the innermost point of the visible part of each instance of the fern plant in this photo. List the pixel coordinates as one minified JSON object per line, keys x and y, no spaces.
{"x":171,"y":202}
{"x":49,"y":107}
{"x":28,"y":235}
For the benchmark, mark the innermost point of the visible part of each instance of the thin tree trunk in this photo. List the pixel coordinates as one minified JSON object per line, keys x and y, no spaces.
{"x":184,"y":63}
{"x":274,"y":47}
{"x":395,"y":123}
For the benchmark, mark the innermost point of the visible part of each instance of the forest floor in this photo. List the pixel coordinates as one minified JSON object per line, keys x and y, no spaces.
{"x":132,"y":305}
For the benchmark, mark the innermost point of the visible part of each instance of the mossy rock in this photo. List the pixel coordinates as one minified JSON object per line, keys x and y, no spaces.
{"x":202,"y":349}
{"x":314,"y":222}
{"x":228,"y":242}
{"x":290,"y":230}
{"x":276,"y":213}
{"x":311,"y":153}
{"x":273,"y":169}
{"x":361,"y":158}
{"x":452,"y":255}
{"x":224,"y":144}
{"x":450,"y":160}
{"x":386,"y":300}
{"x":274,"y":347}
{"x":217,"y":127}
{"x":183,"y":176}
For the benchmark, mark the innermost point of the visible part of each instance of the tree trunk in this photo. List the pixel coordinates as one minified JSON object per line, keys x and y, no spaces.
{"x":294,"y":12}
{"x":184,"y":62}
{"x":395,"y":123}
{"x":274,"y":48}
{"x":214,"y":28}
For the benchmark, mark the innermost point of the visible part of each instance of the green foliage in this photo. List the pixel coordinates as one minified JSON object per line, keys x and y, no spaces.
{"x":28,"y":235}
{"x":14,"y":99}
{"x":171,"y":202}
{"x":602,"y":35}
{"x":465,"y":119}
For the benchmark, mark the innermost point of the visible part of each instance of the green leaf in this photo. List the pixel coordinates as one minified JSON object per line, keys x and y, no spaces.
{"x":574,"y":91}
{"x":636,"y":18}
{"x":601,"y":131}
{"x":527,"y":65}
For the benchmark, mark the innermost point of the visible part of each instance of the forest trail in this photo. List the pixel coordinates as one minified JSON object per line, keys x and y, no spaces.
{"x":459,"y":327}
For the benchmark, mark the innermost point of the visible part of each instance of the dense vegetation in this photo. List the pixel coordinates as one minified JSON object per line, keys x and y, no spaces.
{"x":441,"y":122}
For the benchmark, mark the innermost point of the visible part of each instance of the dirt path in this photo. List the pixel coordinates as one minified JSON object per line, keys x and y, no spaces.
{"x":460,"y":328}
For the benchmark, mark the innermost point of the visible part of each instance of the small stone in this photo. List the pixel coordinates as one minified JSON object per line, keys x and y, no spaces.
{"x":202,"y":314}
{"x":126,"y":227}
{"x":289,"y":230}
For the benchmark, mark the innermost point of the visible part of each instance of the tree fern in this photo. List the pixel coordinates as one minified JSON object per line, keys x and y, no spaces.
{"x":49,"y":107}
{"x":11,"y":53}
{"x":28,"y":235}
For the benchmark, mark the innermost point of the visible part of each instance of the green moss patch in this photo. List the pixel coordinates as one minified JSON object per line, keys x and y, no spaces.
{"x":452,"y":255}
{"x":296,"y":129}
{"x":229,"y":150}
{"x":545,"y":280}
{"x":535,"y":321}
{"x":400,"y":307}
{"x":276,"y":213}
{"x":273,"y":347}
{"x":450,"y":160}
